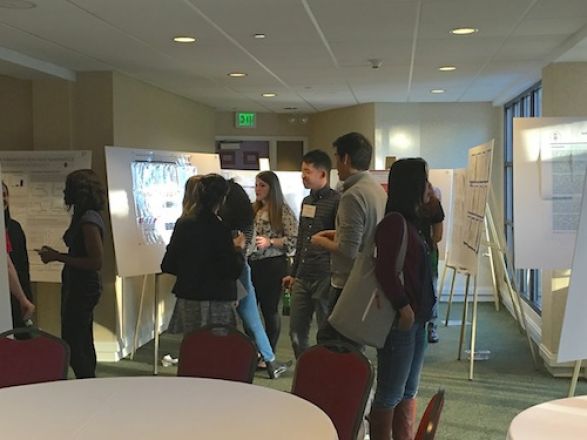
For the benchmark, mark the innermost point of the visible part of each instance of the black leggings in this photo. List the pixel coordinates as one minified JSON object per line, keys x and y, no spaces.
{"x":77,"y":319}
{"x":267,"y":274}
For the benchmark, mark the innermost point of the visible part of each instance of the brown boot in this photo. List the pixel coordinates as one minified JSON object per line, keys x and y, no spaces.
{"x":380,"y":421}
{"x":404,"y":418}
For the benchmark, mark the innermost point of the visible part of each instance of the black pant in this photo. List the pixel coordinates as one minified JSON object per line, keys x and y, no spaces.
{"x":267,"y":274}
{"x":77,"y":319}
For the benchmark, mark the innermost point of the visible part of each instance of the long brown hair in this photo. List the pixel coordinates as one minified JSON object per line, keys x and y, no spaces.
{"x":274,"y":200}
{"x":190,"y":195}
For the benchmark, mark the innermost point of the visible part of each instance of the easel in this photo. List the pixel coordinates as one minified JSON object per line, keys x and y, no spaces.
{"x":491,"y":243}
{"x":156,"y":321}
{"x":575,"y":378}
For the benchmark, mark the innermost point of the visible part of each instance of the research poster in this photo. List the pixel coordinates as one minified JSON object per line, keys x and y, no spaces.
{"x":145,"y":193}
{"x":550,"y":161}
{"x":36,"y":180}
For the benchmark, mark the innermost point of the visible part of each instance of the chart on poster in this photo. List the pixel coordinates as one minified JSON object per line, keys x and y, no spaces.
{"x":35,"y":181}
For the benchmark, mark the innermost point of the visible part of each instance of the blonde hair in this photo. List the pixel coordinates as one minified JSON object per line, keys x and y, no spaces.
{"x":190,"y":196}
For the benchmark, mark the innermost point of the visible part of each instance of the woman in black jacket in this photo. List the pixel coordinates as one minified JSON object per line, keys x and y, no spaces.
{"x":206,"y":260}
{"x":19,"y":257}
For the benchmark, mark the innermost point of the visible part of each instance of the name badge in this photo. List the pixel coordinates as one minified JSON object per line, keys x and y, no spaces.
{"x":309,"y":211}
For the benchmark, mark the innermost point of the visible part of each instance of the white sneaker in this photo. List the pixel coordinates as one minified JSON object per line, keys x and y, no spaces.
{"x":168,"y":361}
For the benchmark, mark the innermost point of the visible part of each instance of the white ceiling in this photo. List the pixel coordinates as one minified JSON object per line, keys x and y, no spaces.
{"x":316,"y":53}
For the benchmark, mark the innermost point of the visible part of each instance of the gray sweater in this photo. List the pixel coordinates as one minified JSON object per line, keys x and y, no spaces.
{"x":361,"y":208}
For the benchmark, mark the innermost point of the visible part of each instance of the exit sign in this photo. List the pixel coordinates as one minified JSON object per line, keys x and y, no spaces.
{"x":245,"y":119}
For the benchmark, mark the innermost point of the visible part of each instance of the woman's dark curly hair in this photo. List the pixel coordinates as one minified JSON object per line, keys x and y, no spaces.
{"x":84,"y":191}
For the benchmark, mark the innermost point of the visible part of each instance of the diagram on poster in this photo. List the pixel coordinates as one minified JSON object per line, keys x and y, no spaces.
{"x":550,"y":162}
{"x":35,"y":181}
{"x":145,"y":191}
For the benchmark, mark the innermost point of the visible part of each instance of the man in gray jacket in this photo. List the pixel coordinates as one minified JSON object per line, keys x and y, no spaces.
{"x":361,"y":208}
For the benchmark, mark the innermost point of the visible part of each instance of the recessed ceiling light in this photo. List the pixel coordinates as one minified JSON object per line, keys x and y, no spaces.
{"x":447,"y":68}
{"x":184,"y":39}
{"x":236,"y":74}
{"x":17,"y":4}
{"x":290,"y":108}
{"x":437,"y":91}
{"x":464,"y":31}
{"x":259,"y":36}
{"x":269,"y":95}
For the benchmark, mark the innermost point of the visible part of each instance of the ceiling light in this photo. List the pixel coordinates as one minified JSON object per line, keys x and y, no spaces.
{"x":269,"y":95}
{"x":464,"y":31}
{"x":437,"y":91}
{"x":17,"y":4}
{"x":447,"y":68}
{"x":259,"y":36}
{"x":184,"y":39}
{"x":290,"y":108}
{"x":236,"y":74}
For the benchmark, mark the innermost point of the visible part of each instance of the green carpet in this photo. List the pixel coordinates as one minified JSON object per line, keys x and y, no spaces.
{"x":481,"y":409}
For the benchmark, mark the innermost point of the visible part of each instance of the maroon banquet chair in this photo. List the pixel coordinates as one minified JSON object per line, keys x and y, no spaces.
{"x":429,"y":421}
{"x":337,"y":379}
{"x":42,"y":358}
{"x":217,"y":351}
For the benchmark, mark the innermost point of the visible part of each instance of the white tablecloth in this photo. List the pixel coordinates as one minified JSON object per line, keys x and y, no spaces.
{"x":159,"y":408}
{"x":564,"y":419}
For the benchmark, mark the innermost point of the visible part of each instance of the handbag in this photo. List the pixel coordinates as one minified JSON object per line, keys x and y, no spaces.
{"x":363,"y":313}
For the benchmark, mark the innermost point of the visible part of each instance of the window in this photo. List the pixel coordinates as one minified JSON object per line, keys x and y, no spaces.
{"x":527,"y":104}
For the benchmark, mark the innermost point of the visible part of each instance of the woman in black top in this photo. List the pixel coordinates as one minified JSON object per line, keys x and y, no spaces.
{"x":81,"y":283}
{"x":19,"y":257}
{"x":205,"y":259}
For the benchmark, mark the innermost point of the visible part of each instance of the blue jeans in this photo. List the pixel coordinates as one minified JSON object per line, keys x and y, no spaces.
{"x":399,"y":364}
{"x":249,"y":313}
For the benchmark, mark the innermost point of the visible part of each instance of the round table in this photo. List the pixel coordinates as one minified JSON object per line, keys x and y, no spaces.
{"x":558,"y":419}
{"x":158,"y":408}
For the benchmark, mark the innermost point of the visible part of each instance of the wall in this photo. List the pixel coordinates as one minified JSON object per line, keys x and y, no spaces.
{"x":16,"y":108}
{"x":146,"y":116}
{"x":326,"y":126}
{"x":564,"y":93}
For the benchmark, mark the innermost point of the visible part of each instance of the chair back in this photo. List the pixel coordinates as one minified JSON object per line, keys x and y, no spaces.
{"x":337,"y":379}
{"x":41,"y":358}
{"x":429,"y":421}
{"x":217,"y":351}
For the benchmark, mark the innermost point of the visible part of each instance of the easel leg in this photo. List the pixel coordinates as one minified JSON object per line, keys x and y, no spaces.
{"x":450,"y":296}
{"x":464,"y":318}
{"x":156,"y":329}
{"x":575,"y":378}
{"x":139,"y":317}
{"x":492,"y":265}
{"x":473,"y":329}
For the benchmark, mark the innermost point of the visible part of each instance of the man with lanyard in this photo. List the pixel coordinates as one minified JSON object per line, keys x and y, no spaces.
{"x":310,"y":275}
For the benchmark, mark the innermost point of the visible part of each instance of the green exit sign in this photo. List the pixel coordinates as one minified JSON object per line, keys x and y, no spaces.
{"x":245,"y":119}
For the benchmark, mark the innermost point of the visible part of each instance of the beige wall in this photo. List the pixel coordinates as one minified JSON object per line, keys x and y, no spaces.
{"x":146,"y":116}
{"x":326,"y":127}
{"x":16,"y":108}
{"x":268,"y":124}
{"x":564,"y":90}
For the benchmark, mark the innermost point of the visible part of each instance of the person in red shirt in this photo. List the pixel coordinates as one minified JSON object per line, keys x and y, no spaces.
{"x":399,"y":362}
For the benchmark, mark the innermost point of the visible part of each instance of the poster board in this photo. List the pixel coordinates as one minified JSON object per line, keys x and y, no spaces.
{"x":443,"y":180}
{"x":468,"y":220}
{"x":5,"y":307}
{"x":573,"y":344}
{"x":145,"y":191}
{"x":456,"y":226}
{"x":35,"y":181}
{"x":290,"y":181}
{"x":550,"y":160}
